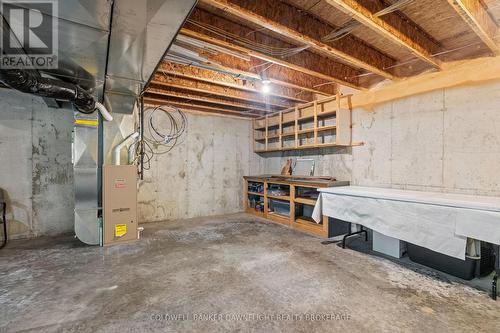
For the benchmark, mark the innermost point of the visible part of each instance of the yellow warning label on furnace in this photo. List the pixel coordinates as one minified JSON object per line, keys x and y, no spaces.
{"x":120,"y":230}
{"x":87,"y":122}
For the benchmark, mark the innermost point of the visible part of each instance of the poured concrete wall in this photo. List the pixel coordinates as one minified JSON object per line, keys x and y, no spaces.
{"x":35,"y":165}
{"x":201,"y":176}
{"x":447,"y":140}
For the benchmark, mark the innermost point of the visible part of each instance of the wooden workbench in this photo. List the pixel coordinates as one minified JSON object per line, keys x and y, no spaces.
{"x":293,"y":184}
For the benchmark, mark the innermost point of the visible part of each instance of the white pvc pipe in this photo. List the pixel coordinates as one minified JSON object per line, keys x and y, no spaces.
{"x":104,"y":112}
{"x":119,"y":147}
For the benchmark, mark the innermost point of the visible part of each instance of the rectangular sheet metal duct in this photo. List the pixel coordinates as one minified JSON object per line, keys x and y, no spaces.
{"x":141,"y":34}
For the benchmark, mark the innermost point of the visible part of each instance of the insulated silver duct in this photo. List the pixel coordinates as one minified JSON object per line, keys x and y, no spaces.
{"x":141,"y":34}
{"x":121,"y":58}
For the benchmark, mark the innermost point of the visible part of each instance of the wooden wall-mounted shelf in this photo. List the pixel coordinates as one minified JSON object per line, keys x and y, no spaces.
{"x":319,"y":124}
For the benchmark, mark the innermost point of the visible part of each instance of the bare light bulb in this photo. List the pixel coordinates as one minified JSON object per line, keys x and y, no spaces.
{"x":266,"y":87}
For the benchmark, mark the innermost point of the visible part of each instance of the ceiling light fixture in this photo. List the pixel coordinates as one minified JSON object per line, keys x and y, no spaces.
{"x":266,"y":87}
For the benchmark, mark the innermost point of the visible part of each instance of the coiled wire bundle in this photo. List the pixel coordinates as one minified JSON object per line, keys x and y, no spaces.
{"x":163,"y":128}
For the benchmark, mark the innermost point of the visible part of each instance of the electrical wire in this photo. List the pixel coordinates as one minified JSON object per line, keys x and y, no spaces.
{"x":251,"y":44}
{"x":162,"y":137}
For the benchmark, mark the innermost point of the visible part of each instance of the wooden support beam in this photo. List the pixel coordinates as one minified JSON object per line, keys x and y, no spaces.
{"x":207,"y":99}
{"x":304,"y":29}
{"x":305,"y":62}
{"x":477,"y":17}
{"x":195,"y":107}
{"x":226,"y":80}
{"x":197,"y":87}
{"x":392,"y":26}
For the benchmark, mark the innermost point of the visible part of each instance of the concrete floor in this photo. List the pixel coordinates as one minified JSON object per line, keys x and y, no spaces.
{"x":228,"y":266}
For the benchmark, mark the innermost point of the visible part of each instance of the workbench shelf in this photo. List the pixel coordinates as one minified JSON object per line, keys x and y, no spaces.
{"x":318,"y":124}
{"x":288,"y":200}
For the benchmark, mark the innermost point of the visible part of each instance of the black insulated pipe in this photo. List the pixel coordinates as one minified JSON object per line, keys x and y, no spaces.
{"x":31,"y":83}
{"x":71,"y":72}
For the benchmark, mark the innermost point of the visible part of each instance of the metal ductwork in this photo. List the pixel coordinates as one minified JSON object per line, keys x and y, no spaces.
{"x":141,"y":34}
{"x":120,"y":43}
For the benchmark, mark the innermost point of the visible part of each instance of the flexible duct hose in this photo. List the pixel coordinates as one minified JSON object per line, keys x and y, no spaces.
{"x":71,"y":72}
{"x":104,"y":112}
{"x":29,"y":82}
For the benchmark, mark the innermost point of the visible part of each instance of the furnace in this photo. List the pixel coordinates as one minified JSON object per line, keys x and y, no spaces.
{"x":120,"y":204}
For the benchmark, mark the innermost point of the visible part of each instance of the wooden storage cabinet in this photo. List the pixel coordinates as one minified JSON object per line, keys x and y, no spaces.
{"x":323,"y":123}
{"x":287,"y":201}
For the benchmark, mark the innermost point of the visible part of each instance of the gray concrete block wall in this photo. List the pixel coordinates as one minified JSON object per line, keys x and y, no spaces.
{"x":35,"y":167}
{"x":445,"y":141}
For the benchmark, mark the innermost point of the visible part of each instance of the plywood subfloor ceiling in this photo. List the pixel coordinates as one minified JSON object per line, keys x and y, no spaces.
{"x":304,"y":49}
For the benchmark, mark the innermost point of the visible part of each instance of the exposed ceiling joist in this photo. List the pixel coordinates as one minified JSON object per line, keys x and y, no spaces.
{"x":392,"y":26}
{"x":196,"y":107}
{"x":315,"y":62}
{"x":287,"y":21}
{"x":305,"y":62}
{"x":477,"y":17}
{"x":198,"y":87}
{"x":253,"y":76}
{"x":225,"y":80}
{"x":263,"y":70}
{"x":208,"y":99}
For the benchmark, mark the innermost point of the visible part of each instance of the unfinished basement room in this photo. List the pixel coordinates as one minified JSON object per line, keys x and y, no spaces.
{"x":250,"y":166}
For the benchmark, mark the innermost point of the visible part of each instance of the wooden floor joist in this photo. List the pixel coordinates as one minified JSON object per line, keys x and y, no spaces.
{"x":245,"y":74}
{"x":207,"y":99}
{"x":225,"y":80}
{"x":391,"y":26}
{"x":286,"y":20}
{"x":193,"y":106}
{"x":477,"y":17}
{"x":272,"y":71}
{"x":305,"y":62}
{"x":197,"y":87}
{"x":315,"y":62}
